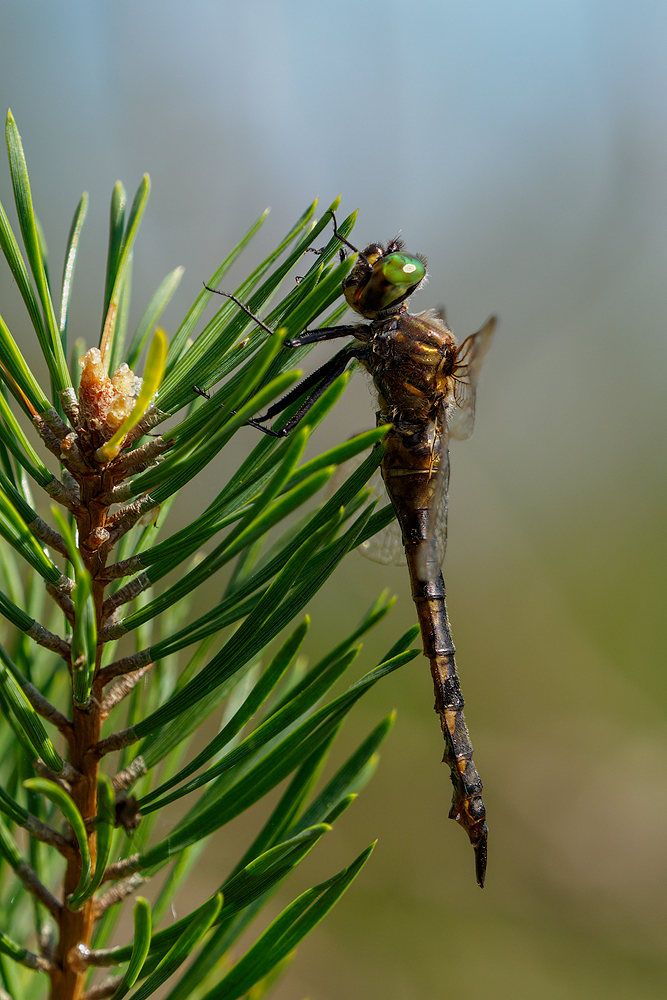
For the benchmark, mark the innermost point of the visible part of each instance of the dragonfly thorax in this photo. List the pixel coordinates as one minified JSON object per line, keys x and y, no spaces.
{"x":412,"y":359}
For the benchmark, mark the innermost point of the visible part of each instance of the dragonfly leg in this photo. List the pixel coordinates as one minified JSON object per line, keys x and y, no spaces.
{"x":319,"y":381}
{"x":241,"y":305}
{"x":307,"y":337}
{"x":346,"y":242}
{"x":250,"y":423}
{"x":325,"y":333}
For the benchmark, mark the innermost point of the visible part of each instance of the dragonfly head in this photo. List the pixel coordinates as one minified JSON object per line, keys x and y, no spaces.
{"x":383,"y":278}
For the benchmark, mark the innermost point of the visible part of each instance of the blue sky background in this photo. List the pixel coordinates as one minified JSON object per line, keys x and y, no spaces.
{"x":523,"y":148}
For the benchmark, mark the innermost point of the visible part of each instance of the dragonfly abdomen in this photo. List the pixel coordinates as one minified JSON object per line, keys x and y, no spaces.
{"x":428,"y":593}
{"x":467,"y":805}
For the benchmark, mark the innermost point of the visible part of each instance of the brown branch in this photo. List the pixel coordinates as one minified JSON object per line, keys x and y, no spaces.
{"x":117,"y":894}
{"x":43,"y":637}
{"x":123,"y":568}
{"x":126,"y":518}
{"x":47,"y":710}
{"x":28,"y":877}
{"x":70,"y":484}
{"x":54,"y":422}
{"x":104,"y":990}
{"x":46,"y":938}
{"x":41,"y":831}
{"x":109,"y":633}
{"x":71,"y":453}
{"x":122,"y":688}
{"x":126,"y":778}
{"x":128,"y":664}
{"x":49,"y":535}
{"x":66,"y":777}
{"x":63,"y":496}
{"x":69,"y":773}
{"x":81,"y":957}
{"x":141,"y":458}
{"x":51,"y":440}
{"x":126,"y":593}
{"x":119,"y":869}
{"x":63,"y":601}
{"x":70,"y":405}
{"x":117,"y":494}
{"x":117,"y":741}
{"x":151,"y":418}
{"x":96,"y":538}
{"x":129,"y":515}
{"x":38,"y":963}
{"x":65,"y":584}
{"x":45,"y":772}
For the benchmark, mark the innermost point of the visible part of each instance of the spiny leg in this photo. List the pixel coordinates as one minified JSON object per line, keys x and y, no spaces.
{"x":319,"y":381}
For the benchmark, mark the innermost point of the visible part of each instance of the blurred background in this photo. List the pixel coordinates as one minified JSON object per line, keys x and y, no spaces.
{"x":523,"y":148}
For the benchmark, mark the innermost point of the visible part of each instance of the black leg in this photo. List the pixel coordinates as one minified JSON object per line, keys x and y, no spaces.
{"x":342,"y":240}
{"x":346,"y":242}
{"x":319,"y":381}
{"x":307,"y":337}
{"x":241,"y":305}
{"x":250,"y":423}
{"x":325,"y":333}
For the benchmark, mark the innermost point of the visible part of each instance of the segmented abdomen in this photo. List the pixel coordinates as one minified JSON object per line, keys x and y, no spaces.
{"x":412,"y":492}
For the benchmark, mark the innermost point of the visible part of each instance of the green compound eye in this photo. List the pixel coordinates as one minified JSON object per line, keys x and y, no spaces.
{"x":402,"y":270}
{"x":390,"y":280}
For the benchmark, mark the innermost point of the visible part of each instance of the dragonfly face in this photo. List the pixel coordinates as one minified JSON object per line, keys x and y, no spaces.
{"x":383,"y":278}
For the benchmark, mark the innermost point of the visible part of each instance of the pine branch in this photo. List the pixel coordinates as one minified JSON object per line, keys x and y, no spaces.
{"x":98,"y":434}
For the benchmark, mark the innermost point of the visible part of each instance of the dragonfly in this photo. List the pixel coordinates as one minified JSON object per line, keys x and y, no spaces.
{"x":426,"y":386}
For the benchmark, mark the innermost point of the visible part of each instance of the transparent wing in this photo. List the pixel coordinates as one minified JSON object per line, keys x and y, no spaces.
{"x":441,"y":493}
{"x":469,"y":357}
{"x":387,"y":546}
{"x":436,"y":541}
